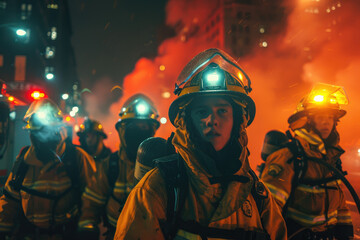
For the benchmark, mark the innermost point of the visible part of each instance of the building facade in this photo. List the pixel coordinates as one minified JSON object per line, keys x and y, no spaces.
{"x":35,"y":48}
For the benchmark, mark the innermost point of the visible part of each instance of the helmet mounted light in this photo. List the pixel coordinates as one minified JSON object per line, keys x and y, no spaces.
{"x":323,"y":97}
{"x":43,"y":113}
{"x":138,"y":107}
{"x":212,"y":72}
{"x":213,"y":78}
{"x":142,"y":108}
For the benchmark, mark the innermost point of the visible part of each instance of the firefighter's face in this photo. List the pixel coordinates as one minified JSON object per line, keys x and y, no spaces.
{"x":324,"y":123}
{"x":213,"y":119}
{"x":91,"y":139}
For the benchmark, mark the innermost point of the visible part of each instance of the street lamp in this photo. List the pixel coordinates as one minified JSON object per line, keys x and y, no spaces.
{"x":49,"y":76}
{"x":21,"y":32}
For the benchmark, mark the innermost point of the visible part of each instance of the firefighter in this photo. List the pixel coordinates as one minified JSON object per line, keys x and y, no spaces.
{"x":91,"y":137}
{"x":138,"y":121}
{"x":308,"y":192}
{"x":43,"y":191}
{"x":207,"y":189}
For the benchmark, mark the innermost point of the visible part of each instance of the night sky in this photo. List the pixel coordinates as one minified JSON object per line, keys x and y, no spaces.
{"x":109,"y":36}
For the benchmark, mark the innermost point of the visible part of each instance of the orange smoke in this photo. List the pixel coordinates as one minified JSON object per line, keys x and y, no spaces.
{"x":312,"y":48}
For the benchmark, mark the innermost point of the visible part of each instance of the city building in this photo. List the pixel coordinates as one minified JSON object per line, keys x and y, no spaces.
{"x":239,"y":26}
{"x":35,"y":49}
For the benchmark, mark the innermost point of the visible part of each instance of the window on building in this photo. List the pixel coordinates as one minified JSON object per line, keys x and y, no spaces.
{"x":240,"y":28}
{"x":239,"y":15}
{"x":247,"y":29}
{"x":233,"y":28}
{"x":2,"y":5}
{"x":49,"y":73}
{"x":234,"y":40}
{"x":52,"y":6}
{"x":26,"y":9}
{"x":52,"y":34}
{"x":247,"y":16}
{"x":50,"y":52}
{"x":1,"y":60}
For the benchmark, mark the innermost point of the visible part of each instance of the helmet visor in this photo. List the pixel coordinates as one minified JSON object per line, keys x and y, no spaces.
{"x":204,"y":59}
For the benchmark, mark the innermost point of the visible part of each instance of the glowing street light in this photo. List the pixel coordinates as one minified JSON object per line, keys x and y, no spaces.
{"x":20,"y":32}
{"x":50,"y":76}
{"x":65,"y":96}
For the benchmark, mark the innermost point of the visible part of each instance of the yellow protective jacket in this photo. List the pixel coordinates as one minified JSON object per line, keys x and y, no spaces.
{"x":100,"y":196}
{"x":208,"y":204}
{"x":49,"y":178}
{"x":308,"y":205}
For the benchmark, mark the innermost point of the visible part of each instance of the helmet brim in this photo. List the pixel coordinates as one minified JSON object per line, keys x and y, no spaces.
{"x":250,"y":105}
{"x":338,"y":113}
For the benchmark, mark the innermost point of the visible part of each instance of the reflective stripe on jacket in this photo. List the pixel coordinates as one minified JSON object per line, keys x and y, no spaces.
{"x":50,"y":179}
{"x":308,"y":206}
{"x":99,"y":195}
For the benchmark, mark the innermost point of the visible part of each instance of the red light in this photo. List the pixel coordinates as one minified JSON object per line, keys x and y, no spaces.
{"x":36,"y":95}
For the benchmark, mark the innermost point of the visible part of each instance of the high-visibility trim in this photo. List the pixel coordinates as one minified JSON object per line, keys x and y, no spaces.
{"x":48,"y":185}
{"x":12,"y":192}
{"x":317,"y":188}
{"x":311,"y":138}
{"x":6,"y":227}
{"x":344,"y":217}
{"x":186,"y":235}
{"x":43,"y":218}
{"x":94,"y":197}
{"x":112,"y":221}
{"x":310,"y":220}
{"x":121,"y":187}
{"x":86,"y":223}
{"x":278,"y":193}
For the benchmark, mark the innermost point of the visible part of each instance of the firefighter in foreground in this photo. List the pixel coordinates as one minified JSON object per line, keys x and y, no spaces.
{"x":91,"y":138}
{"x":43,"y":191}
{"x":138,"y":121}
{"x":309,"y":193}
{"x":207,"y":189}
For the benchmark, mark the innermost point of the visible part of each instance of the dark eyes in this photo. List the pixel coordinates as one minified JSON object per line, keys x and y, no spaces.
{"x":203,"y":113}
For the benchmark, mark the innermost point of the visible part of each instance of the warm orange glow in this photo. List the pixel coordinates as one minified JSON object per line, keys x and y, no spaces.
{"x":11,"y":98}
{"x":162,"y":68}
{"x":68,"y":119}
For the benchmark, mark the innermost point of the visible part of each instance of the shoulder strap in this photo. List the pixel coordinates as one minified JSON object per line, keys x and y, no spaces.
{"x":19,"y":171}
{"x":173,"y":171}
{"x":258,"y":192}
{"x":71,"y":164}
{"x":113,"y":169}
{"x":299,"y":161}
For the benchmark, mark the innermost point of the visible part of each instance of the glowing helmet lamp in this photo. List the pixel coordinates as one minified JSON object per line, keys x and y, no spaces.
{"x":323,"y":97}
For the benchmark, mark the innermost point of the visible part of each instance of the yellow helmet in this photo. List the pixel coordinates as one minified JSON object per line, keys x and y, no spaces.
{"x":213,"y":72}
{"x":91,"y":126}
{"x":323,"y":97}
{"x":140,"y":107}
{"x":41,"y":113}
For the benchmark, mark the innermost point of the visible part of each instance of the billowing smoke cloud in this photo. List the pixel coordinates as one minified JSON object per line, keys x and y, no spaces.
{"x":313,"y":48}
